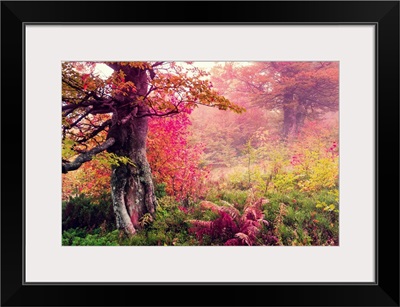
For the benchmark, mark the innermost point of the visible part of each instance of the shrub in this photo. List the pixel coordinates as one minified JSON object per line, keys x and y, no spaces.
{"x":79,"y":237}
{"x":234,"y":196}
{"x":160,"y":190}
{"x":87,"y":212}
{"x":168,"y":227}
{"x":232,"y":227}
{"x":301,"y":219}
{"x":69,"y":235}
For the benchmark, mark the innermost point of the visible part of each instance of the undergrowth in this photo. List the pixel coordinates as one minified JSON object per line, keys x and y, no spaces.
{"x":294,"y":219}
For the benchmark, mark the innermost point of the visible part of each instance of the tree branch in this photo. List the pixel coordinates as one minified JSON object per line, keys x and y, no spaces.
{"x":157,"y":64}
{"x":95,"y":132}
{"x":79,"y":119}
{"x":82,"y":104}
{"x":86,"y":156}
{"x":157,"y":114}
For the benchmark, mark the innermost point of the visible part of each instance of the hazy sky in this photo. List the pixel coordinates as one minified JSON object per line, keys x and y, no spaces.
{"x":104,"y":71}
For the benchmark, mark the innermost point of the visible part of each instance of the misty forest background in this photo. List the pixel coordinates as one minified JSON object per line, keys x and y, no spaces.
{"x":267,"y":174}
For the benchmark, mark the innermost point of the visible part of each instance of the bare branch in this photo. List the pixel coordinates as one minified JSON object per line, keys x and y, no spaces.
{"x":99,"y":106}
{"x":95,"y":132}
{"x":86,"y":156}
{"x":157,"y":64}
{"x":82,"y":104}
{"x":79,"y":119}
{"x":157,"y":114}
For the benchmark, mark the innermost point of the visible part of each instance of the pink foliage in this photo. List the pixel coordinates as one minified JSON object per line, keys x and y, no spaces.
{"x":175,"y":161}
{"x":231,"y":227}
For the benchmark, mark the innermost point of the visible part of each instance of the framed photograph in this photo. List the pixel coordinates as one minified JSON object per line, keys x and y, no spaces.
{"x":234,"y":153}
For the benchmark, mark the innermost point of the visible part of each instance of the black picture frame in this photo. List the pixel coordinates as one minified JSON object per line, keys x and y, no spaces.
{"x":383,"y":14}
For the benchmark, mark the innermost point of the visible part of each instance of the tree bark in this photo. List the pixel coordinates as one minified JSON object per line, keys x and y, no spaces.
{"x":132,"y":186}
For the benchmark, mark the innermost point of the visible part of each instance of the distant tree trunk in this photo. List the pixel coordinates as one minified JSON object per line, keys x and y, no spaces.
{"x":294,"y":114}
{"x":289,"y":117}
{"x":301,"y":114}
{"x":132,"y":186}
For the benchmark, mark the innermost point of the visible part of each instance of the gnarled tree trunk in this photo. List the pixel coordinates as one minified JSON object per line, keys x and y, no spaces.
{"x":131,"y":183}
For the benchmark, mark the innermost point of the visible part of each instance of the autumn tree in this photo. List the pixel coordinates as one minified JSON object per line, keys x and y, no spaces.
{"x":111,"y":116}
{"x":298,"y":90}
{"x":175,"y":159}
